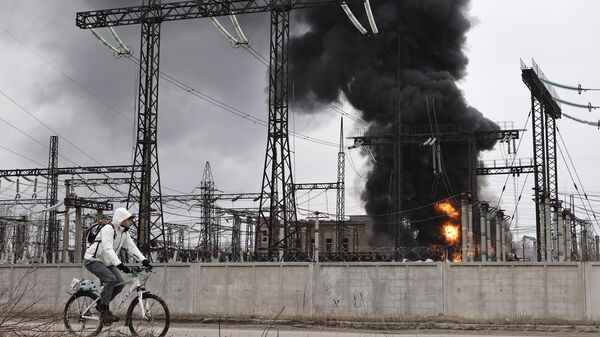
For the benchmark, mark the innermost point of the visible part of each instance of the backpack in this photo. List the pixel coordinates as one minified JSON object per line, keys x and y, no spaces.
{"x":92,"y":232}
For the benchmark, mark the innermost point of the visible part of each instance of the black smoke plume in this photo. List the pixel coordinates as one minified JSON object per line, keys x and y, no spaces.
{"x":414,"y":62}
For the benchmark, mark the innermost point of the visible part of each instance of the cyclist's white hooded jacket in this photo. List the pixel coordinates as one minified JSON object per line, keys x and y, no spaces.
{"x":111,"y":239}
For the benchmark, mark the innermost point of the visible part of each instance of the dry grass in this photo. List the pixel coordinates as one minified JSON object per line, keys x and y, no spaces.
{"x":16,"y":317}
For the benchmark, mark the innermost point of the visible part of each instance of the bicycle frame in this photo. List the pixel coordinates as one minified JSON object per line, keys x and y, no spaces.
{"x":135,"y":285}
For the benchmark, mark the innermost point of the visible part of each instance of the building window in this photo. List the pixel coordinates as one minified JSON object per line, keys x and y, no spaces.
{"x":265,"y":236}
{"x":328,"y":245}
{"x":345,"y":244}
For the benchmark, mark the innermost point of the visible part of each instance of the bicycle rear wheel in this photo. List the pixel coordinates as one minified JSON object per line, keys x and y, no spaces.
{"x":154,"y":321}
{"x":80,"y":316}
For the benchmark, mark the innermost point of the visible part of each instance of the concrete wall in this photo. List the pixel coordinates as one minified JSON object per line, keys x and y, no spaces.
{"x":351,"y":290}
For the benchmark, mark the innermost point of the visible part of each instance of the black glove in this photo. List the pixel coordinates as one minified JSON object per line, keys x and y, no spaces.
{"x":147,"y":264}
{"x":124,"y":268}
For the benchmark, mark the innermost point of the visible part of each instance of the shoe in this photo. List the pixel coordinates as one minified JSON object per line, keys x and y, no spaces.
{"x":106,"y":318}
{"x":113,"y":317}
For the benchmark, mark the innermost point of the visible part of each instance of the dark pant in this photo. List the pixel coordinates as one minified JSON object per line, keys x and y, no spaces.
{"x":110,"y":276}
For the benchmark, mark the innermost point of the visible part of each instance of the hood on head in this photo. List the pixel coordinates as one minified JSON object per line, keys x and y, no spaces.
{"x":119,"y":215}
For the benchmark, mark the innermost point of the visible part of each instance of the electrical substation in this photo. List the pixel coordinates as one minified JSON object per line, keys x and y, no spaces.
{"x":426,"y":206}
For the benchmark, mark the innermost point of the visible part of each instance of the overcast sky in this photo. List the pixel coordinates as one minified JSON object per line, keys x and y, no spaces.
{"x":65,"y":78}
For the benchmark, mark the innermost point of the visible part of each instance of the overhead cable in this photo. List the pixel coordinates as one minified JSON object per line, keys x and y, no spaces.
{"x":53,"y":207}
{"x":37,"y":54}
{"x":353,"y":166}
{"x":370,"y":153}
{"x":231,"y":109}
{"x":117,"y":52}
{"x":241,"y":38}
{"x":576,"y":173}
{"x":238,"y":29}
{"x":47,"y":127}
{"x":20,"y":155}
{"x":224,"y":31}
{"x":578,"y":88}
{"x":587,"y":211}
{"x":517,"y":202}
{"x":513,"y":160}
{"x":104,"y":42}
{"x":370,"y":17}
{"x":589,"y":106}
{"x":596,"y":124}
{"x":338,"y":110}
{"x":124,"y":48}
{"x":248,"y":47}
{"x":353,"y":19}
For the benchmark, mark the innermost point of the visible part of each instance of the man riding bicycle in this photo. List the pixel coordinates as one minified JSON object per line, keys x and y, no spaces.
{"x":102,"y":259}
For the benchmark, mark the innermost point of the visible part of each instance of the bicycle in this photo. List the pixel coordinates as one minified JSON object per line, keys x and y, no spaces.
{"x":145,"y":310}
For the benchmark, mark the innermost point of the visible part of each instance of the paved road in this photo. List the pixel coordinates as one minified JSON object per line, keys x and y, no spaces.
{"x":181,"y":330}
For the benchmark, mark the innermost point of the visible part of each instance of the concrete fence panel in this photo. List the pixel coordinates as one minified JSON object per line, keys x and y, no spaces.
{"x":375,"y":291}
{"x":493,"y":290}
{"x":590,"y":283}
{"x":347,"y":290}
{"x":240,"y":288}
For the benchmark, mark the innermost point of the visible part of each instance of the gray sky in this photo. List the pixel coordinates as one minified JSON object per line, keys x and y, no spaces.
{"x":55,"y":66}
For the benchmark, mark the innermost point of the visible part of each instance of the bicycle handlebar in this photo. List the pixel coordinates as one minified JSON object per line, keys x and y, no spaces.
{"x":137,"y":269}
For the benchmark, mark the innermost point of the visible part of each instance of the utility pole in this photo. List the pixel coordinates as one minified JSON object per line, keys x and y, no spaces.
{"x":316,"y":216}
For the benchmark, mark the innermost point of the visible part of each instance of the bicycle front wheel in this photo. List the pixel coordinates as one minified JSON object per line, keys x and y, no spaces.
{"x":153,"y":320}
{"x":80,"y":316}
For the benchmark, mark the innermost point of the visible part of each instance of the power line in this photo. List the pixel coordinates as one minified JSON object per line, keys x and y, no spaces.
{"x":513,"y":160}
{"x":230,"y":108}
{"x":20,"y":155}
{"x":589,"y":106}
{"x":576,"y":173}
{"x":265,"y":62}
{"x":49,"y":128}
{"x":86,"y":90}
{"x":577,"y":88}
{"x":582,"y":121}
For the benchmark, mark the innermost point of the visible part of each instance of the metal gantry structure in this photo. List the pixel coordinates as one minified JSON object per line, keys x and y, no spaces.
{"x":277,"y":203}
{"x":166,"y":198}
{"x":445,"y":133}
{"x":544,"y":111}
{"x":16,"y":227}
{"x":423,"y":135}
{"x":51,"y":228}
{"x":339,"y":186}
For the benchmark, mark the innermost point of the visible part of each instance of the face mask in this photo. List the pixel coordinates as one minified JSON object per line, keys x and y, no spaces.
{"x":125,"y":229}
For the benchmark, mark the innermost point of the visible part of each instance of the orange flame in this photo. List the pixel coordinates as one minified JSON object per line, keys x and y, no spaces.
{"x":447,"y":208}
{"x":456,"y":257}
{"x":451,"y":232}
